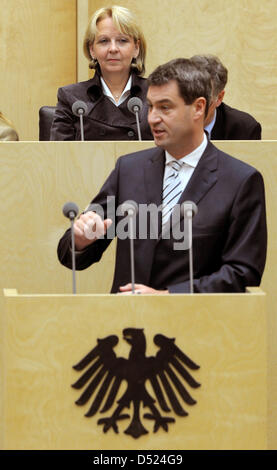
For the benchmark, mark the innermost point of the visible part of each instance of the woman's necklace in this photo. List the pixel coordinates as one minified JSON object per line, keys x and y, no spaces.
{"x":117,"y":94}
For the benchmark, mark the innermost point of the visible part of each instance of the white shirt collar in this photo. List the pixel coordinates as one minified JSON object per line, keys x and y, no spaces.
{"x":124,"y":94}
{"x":192,"y":158}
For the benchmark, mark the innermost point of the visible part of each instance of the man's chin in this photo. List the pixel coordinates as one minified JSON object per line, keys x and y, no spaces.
{"x":160,"y":140}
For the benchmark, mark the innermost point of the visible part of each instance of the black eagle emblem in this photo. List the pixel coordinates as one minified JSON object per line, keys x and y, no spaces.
{"x":165,"y":372}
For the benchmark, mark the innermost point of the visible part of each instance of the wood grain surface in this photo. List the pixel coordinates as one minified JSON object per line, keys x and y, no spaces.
{"x":38,"y":178}
{"x":242,"y":33}
{"x":41,"y":50}
{"x":37,"y":55}
{"x":45,"y":336}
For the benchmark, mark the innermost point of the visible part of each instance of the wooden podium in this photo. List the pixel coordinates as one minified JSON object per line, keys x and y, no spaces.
{"x":228,"y":336}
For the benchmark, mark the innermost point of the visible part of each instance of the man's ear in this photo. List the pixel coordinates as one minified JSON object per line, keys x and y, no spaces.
{"x":199,"y":107}
{"x":220,"y":97}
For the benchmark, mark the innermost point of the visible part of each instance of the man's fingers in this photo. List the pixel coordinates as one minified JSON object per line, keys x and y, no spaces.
{"x":108,"y":223}
{"x":90,"y":226}
{"x":89,"y":229}
{"x":128,"y":288}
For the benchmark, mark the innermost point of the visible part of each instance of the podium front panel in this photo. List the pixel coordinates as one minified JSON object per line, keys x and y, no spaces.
{"x":225,"y":335}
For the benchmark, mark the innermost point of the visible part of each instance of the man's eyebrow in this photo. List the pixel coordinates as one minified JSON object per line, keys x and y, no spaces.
{"x":162,"y":101}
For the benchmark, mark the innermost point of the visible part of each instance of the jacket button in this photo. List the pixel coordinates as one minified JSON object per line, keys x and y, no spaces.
{"x":131,"y":133}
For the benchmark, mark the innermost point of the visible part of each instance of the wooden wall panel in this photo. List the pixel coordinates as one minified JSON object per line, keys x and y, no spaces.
{"x":38,"y":54}
{"x":82,"y":20}
{"x":242,"y":33}
{"x":45,"y":336}
{"x":38,"y":178}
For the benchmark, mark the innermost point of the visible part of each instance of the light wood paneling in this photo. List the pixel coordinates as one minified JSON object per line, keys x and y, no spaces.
{"x":82,"y":20}
{"x":36,"y":180}
{"x":225,"y":334}
{"x":241,"y":33}
{"x":38,"y":54}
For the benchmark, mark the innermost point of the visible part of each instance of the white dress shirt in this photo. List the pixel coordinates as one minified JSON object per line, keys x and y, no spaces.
{"x":190,"y":162}
{"x":124,"y":95}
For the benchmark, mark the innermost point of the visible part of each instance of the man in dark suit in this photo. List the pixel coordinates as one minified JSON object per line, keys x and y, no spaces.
{"x":229,"y":230}
{"x":222,"y":121}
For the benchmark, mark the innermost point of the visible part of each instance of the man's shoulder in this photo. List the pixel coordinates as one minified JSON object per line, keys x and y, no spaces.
{"x":233,"y":166}
{"x":233,"y":124}
{"x":142,"y":155}
{"x":236,"y":114}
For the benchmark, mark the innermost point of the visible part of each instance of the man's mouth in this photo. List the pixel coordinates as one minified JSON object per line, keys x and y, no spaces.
{"x":158,"y":132}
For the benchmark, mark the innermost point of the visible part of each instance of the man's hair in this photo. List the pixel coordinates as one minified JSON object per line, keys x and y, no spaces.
{"x":217,"y":71}
{"x":193,"y":82}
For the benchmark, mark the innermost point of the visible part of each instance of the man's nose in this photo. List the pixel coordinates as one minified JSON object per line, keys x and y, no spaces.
{"x":153,"y":116}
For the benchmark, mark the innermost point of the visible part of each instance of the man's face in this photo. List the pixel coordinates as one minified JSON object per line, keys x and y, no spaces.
{"x":171,"y":120}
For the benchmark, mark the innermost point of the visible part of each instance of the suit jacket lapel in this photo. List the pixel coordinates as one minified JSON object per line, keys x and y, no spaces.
{"x":203,"y":178}
{"x":153,"y":176}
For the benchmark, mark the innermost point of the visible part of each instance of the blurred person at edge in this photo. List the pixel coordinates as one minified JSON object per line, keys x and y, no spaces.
{"x":224,"y":122}
{"x":116,"y":48}
{"x":7,"y":130}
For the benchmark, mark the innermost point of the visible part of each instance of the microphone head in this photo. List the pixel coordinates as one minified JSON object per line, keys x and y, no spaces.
{"x":134,"y":104}
{"x":131,"y":207}
{"x":189,"y":209}
{"x":79,"y":107}
{"x":70,"y":210}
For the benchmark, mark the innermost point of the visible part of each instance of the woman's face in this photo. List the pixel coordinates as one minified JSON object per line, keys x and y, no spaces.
{"x":113,"y":49}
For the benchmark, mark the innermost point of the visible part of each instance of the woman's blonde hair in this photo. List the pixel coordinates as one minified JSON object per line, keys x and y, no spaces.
{"x":126,"y":23}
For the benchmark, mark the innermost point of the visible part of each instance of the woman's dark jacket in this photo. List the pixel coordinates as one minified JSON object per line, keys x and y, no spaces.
{"x":104,"y":120}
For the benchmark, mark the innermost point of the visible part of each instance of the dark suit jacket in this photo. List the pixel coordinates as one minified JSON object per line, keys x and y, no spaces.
{"x":232,"y":124}
{"x":104,"y":121}
{"x":229,"y":230}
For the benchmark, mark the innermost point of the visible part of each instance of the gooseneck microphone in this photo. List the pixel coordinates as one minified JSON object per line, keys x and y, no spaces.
{"x":135,"y":106}
{"x":80,"y":109}
{"x":70,"y":210}
{"x":131,"y":208}
{"x":188,"y":211}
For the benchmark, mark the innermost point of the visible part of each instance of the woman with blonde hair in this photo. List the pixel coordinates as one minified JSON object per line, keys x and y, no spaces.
{"x":115,"y":47}
{"x":7,"y":130}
